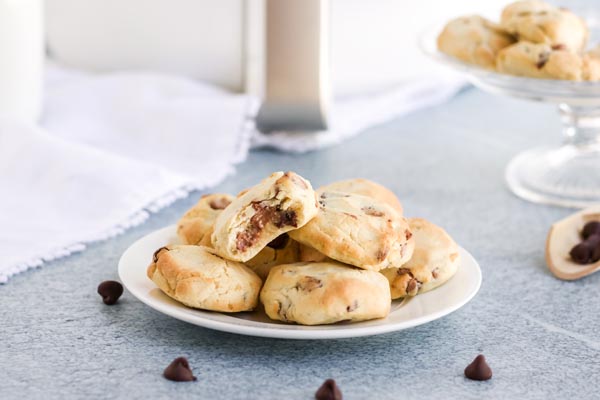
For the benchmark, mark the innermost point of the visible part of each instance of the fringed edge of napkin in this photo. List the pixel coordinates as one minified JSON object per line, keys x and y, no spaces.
{"x":246,"y":132}
{"x":132,"y":221}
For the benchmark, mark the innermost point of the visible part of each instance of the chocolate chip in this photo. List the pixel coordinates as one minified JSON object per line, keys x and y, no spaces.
{"x":328,"y":391}
{"x":581,"y":253}
{"x":590,"y":228}
{"x":279,"y":242}
{"x":155,"y":255}
{"x":264,"y":215}
{"x":543,"y":59}
{"x":593,"y":242}
{"x":412,"y":287}
{"x":352,"y":306}
{"x":309,"y":283}
{"x":288,"y":217}
{"x":587,"y":251}
{"x":478,"y":370}
{"x":595,"y":254}
{"x":110,"y":292}
{"x":179,"y":371}
{"x":559,"y":46}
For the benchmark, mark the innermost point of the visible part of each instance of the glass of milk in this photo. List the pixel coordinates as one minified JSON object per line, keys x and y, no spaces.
{"x":21,"y":58}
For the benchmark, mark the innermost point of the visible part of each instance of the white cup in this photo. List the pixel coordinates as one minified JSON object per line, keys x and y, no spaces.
{"x":21,"y":58}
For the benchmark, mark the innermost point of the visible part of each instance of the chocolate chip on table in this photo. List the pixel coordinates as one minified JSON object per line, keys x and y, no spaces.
{"x":179,"y":371}
{"x":590,"y":229}
{"x":110,"y":292}
{"x":328,"y":391}
{"x":478,"y":370}
{"x":279,"y":242}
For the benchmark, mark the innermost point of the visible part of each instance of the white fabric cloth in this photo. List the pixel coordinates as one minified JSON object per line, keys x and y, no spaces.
{"x":111,"y":149}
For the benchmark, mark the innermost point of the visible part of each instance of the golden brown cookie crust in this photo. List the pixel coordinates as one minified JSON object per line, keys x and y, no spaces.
{"x":367,"y":188}
{"x":434,"y":261}
{"x":197,"y":222}
{"x":197,"y":277}
{"x":324,"y":293}
{"x":357,"y":230}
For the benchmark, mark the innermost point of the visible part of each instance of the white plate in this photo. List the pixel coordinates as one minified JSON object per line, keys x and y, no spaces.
{"x":404,"y":314}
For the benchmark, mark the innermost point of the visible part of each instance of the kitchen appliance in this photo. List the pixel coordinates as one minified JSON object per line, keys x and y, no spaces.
{"x":297,"y":55}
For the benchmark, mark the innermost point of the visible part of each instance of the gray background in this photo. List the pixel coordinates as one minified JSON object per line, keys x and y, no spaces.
{"x":540,"y":335}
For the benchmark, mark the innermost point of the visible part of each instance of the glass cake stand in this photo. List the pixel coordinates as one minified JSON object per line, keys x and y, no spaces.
{"x":567,"y":175}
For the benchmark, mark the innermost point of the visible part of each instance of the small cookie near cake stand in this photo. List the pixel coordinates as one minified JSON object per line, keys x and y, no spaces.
{"x":566,"y":175}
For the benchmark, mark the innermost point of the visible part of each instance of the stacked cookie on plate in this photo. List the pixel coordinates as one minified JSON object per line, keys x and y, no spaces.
{"x":341,"y":253}
{"x":533,"y":39}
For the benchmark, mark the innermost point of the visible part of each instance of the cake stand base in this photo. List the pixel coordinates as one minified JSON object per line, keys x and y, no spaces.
{"x":567,"y":176}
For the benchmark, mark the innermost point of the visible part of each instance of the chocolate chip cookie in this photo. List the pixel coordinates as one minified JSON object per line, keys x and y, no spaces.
{"x":357,"y":230}
{"x":198,"y":277}
{"x":198,"y":221}
{"x":324,"y":293}
{"x":278,"y":204}
{"x":538,"y":60}
{"x":474,"y":39}
{"x":539,"y":22}
{"x":434,"y":261}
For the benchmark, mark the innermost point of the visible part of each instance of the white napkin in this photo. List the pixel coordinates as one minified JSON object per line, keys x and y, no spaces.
{"x":111,"y":149}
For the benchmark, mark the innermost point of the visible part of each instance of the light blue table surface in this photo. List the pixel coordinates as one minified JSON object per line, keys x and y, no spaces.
{"x":541,"y":335}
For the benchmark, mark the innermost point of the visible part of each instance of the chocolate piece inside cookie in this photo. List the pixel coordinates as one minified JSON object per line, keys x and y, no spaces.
{"x":278,"y":204}
{"x":265,"y":214}
{"x":279,"y":242}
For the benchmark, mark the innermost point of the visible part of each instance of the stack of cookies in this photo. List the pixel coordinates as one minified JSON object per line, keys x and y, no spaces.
{"x":533,"y":39}
{"x":342,"y":253}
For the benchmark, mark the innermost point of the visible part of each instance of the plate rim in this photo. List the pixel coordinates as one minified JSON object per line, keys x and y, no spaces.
{"x":278,"y":331}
